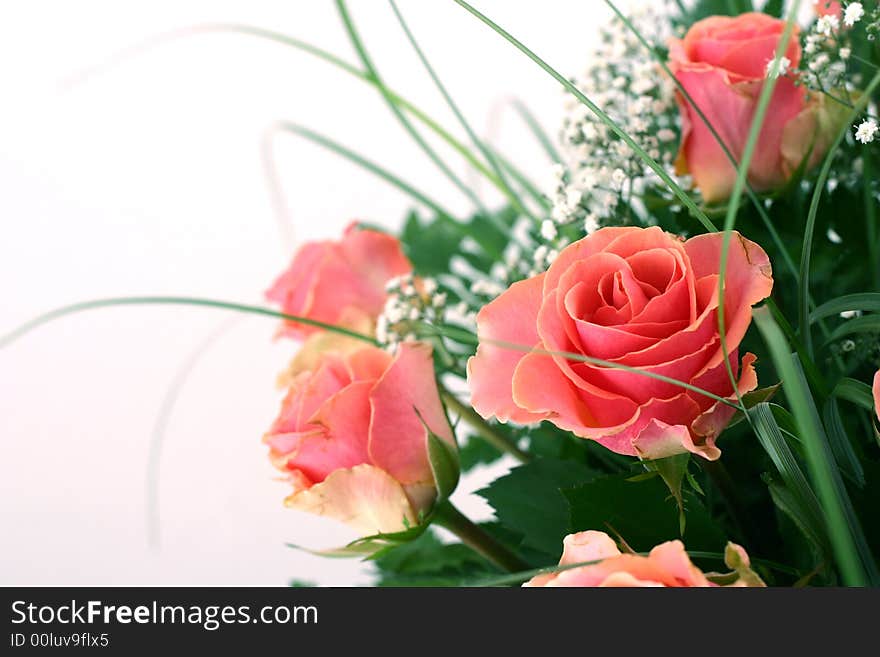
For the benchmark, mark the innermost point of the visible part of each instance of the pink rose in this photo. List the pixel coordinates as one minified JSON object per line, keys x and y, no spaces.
{"x":333,"y":282}
{"x":876,"y":390}
{"x":667,"y":565}
{"x":827,"y":8}
{"x":639,"y":297}
{"x":350,"y":437}
{"x":722,"y":63}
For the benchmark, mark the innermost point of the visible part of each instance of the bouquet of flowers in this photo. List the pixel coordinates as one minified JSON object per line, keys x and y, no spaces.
{"x":702,"y":273}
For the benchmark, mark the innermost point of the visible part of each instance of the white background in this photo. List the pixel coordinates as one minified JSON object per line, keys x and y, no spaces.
{"x":145,"y":178}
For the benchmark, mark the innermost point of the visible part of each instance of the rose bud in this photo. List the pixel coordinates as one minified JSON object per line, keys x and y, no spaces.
{"x":722,"y":63}
{"x":667,"y":565}
{"x":339,"y":282}
{"x":637,"y":297}
{"x":354,"y":438}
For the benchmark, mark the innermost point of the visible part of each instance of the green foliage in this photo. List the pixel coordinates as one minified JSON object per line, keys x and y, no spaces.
{"x":430,"y":244}
{"x":476,"y":451}
{"x":443,"y":458}
{"x":530,"y":503}
{"x":427,"y":561}
{"x":641,"y":512}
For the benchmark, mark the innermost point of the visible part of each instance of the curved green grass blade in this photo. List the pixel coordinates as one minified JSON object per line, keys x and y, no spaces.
{"x":369,"y":165}
{"x":841,"y":446}
{"x":806,"y":253}
{"x":466,"y":337}
{"x":532,"y":123}
{"x":686,"y":200}
{"x":160,"y":427}
{"x":753,"y":197}
{"x":843,"y":529}
{"x":856,"y":392}
{"x":869,"y":301}
{"x":527,"y":185}
{"x":73,"y":308}
{"x":373,"y":73}
{"x":739,"y":185}
{"x":285,"y":40}
{"x":507,"y":190}
{"x":801,"y":501}
{"x":864,"y":324}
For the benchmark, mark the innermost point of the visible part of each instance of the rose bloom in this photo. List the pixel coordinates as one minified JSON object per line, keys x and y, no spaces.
{"x":351,"y":437}
{"x":876,"y":390}
{"x":722,"y":64}
{"x":667,"y":565}
{"x":339,"y":282}
{"x":637,"y":297}
{"x":827,"y":8}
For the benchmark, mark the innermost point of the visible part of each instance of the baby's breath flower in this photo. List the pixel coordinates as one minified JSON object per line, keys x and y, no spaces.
{"x":600,"y":169}
{"x":548,"y":230}
{"x":866,"y":131}
{"x":827,"y":25}
{"x":777,"y":67}
{"x":853,"y":13}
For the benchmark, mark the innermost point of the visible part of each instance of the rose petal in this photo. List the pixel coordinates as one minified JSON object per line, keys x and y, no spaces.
{"x":580,"y":250}
{"x":580,"y":548}
{"x":876,"y":391}
{"x":748,"y":280}
{"x":540,"y":388}
{"x":509,"y":318}
{"x":402,"y":400}
{"x":365,"y":497}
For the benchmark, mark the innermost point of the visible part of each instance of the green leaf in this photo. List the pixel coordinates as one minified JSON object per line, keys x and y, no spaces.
{"x":773,"y":8}
{"x":641,"y":513}
{"x":787,"y":503}
{"x":818,"y":188}
{"x":866,"y":324}
{"x":443,"y":458}
{"x":856,"y":392}
{"x":529,"y":501}
{"x":430,"y":244}
{"x":477,"y":451}
{"x":672,"y":470}
{"x":855,"y":564}
{"x":794,"y":495}
{"x":752,"y":399}
{"x":869,"y":301}
{"x":841,"y":446}
{"x":427,"y":561}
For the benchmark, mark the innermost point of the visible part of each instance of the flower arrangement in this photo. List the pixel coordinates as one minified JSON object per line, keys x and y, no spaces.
{"x":701,"y":274}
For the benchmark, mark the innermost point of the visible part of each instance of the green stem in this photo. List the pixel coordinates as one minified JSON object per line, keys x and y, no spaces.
{"x":476,"y":538}
{"x":485,"y":430}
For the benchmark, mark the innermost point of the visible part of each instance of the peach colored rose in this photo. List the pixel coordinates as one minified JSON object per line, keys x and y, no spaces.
{"x":332,"y":281}
{"x":350,"y":437}
{"x":667,"y":565}
{"x":876,"y":390}
{"x":638,"y":297}
{"x":722,"y":64}
{"x":827,"y":8}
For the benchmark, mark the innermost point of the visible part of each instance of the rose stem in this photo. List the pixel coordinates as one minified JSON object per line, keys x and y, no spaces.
{"x":486,"y":431}
{"x":476,"y":538}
